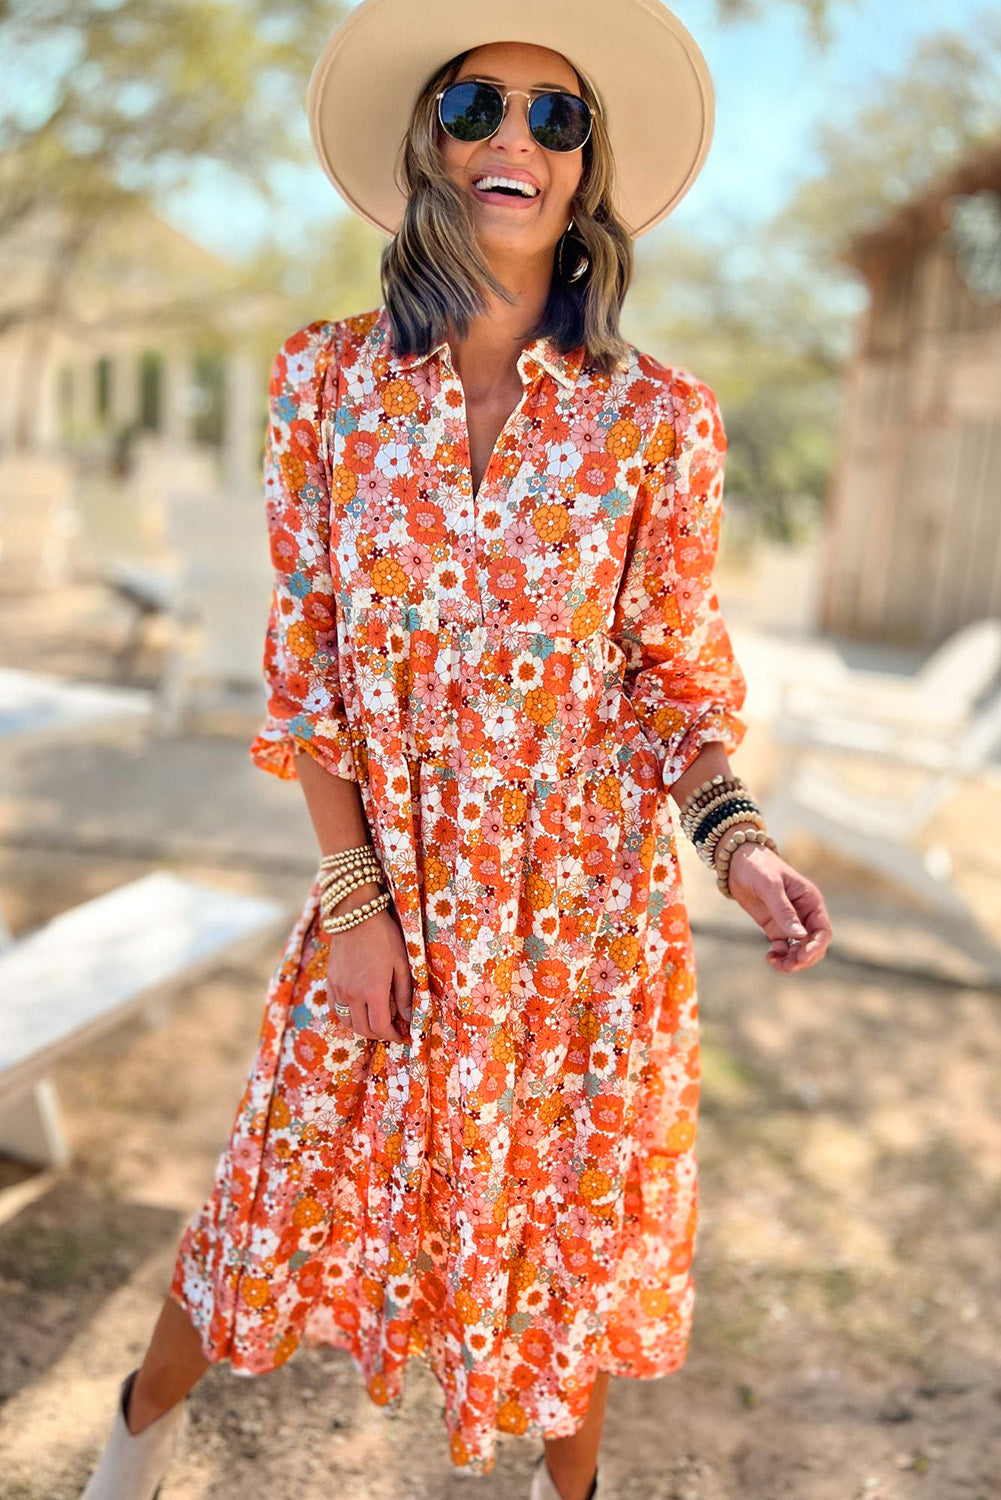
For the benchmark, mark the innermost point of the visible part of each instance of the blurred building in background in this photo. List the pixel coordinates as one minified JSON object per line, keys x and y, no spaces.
{"x":913,"y":544}
{"x":143,"y":367}
{"x":133,"y":408}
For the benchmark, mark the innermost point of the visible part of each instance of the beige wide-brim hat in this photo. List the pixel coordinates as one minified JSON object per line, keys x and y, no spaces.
{"x":650,"y":78}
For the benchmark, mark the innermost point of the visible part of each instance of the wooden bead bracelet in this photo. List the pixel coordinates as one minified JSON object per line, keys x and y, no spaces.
{"x":742,"y":836}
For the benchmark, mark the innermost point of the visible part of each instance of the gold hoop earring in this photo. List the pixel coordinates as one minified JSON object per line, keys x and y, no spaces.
{"x":582,"y":264}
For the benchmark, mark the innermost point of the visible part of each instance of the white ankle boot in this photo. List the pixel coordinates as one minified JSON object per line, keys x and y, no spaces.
{"x":543,"y":1487}
{"x":133,"y":1463}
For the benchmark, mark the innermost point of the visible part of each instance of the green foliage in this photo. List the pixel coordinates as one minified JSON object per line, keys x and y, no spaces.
{"x":145,"y":86}
{"x":758,"y":329}
{"x":769,"y":322}
{"x":944,"y":105}
{"x":106,"y":101}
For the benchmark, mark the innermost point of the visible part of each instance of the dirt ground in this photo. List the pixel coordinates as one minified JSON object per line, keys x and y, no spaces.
{"x":848,"y":1304}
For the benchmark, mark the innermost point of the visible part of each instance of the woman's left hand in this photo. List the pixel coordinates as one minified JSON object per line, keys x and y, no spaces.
{"x":783,"y":903}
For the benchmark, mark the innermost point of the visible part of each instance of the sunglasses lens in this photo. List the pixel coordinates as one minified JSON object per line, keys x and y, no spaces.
{"x":560,"y":122}
{"x":471,"y":111}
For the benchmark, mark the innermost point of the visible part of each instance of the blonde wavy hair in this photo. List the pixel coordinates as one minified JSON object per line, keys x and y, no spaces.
{"x":432,"y":270}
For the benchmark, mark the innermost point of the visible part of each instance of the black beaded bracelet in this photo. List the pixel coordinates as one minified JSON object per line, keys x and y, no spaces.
{"x":713,"y":819}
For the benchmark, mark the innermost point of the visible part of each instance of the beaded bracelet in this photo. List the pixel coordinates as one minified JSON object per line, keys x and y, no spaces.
{"x":345,"y":857}
{"x":330,"y":894}
{"x":359,"y":914}
{"x":709,"y":803}
{"x":714,"y":818}
{"x":718,"y":834}
{"x":342,"y":872}
{"x":335,"y":884}
{"x":709,"y":789}
{"x":742,"y":836}
{"x":704,"y":808}
{"x":709,"y":832}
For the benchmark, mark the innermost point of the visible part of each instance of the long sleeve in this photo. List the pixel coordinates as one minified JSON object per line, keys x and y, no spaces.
{"x":681,"y":675}
{"x":304,"y":702}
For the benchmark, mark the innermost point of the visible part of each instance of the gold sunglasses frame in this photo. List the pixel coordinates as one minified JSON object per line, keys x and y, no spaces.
{"x":505,"y":95}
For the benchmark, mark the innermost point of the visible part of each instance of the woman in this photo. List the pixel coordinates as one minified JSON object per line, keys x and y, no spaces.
{"x":493,"y":649}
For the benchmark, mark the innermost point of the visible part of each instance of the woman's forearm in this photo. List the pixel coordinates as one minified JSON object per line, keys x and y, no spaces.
{"x":711,"y":761}
{"x":338,"y":817}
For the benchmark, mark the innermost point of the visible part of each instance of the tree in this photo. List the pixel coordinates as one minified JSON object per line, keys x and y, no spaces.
{"x":944,"y":105}
{"x":769,"y":319}
{"x":762,"y":334}
{"x":104,"y":100}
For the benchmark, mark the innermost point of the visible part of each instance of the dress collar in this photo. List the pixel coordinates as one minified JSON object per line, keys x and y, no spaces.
{"x":541,"y":352}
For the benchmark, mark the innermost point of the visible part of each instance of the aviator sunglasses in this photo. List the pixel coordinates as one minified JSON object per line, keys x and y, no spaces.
{"x":472,"y":110}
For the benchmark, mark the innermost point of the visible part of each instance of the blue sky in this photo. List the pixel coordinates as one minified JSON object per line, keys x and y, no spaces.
{"x":772,"y":87}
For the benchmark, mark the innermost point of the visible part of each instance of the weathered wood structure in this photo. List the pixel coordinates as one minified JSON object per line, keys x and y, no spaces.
{"x":913,"y":535}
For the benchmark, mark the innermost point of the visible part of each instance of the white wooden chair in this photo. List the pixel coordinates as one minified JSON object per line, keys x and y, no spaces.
{"x":123,"y":530}
{"x":926,"y":761}
{"x":943,"y":690}
{"x":225,"y":574}
{"x":93,"y":967}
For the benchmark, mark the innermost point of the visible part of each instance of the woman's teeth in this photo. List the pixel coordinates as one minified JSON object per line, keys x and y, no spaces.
{"x":507,"y":186}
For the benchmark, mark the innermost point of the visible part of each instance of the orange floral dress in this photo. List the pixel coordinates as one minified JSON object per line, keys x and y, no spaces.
{"x":514,"y":679}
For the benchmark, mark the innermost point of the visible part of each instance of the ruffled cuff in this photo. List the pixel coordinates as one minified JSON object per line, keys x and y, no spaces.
{"x":273,"y":750}
{"x":719,"y":723}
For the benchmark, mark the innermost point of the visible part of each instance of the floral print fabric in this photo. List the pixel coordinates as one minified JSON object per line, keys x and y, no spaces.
{"x":514,"y":679}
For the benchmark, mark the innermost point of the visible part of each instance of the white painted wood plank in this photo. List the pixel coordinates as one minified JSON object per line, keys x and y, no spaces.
{"x":34,"y":703}
{"x":73,"y":976}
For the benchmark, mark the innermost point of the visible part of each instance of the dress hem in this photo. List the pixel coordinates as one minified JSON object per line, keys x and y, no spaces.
{"x":392,"y":1406}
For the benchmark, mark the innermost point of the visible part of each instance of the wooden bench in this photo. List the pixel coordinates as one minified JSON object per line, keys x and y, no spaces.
{"x":92,"y":967}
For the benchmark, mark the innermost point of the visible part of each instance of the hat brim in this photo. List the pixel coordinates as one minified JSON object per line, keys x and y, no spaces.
{"x":650,"y":78}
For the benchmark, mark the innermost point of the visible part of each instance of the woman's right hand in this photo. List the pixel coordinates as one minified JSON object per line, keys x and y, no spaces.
{"x":369,"y":971}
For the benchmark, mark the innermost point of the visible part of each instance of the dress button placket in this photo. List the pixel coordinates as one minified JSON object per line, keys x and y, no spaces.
{"x":464,"y":519}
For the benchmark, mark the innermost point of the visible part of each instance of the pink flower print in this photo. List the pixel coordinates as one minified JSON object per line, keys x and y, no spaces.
{"x":534,"y":447}
{"x":493,"y":827}
{"x":435,"y":693}
{"x":605,"y":976}
{"x":587,"y":434}
{"x":504,"y":755}
{"x":374,"y":487}
{"x":555,"y":617}
{"x":486,"y":998}
{"x":424,"y":379}
{"x":589,"y":402}
{"x":564,"y":1179}
{"x":417,"y":560}
{"x":629,"y":865}
{"x":594,"y":758}
{"x":594,"y":819}
{"x":521,"y":538}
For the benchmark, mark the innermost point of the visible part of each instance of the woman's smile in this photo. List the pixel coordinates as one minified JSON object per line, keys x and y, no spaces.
{"x":501,"y":199}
